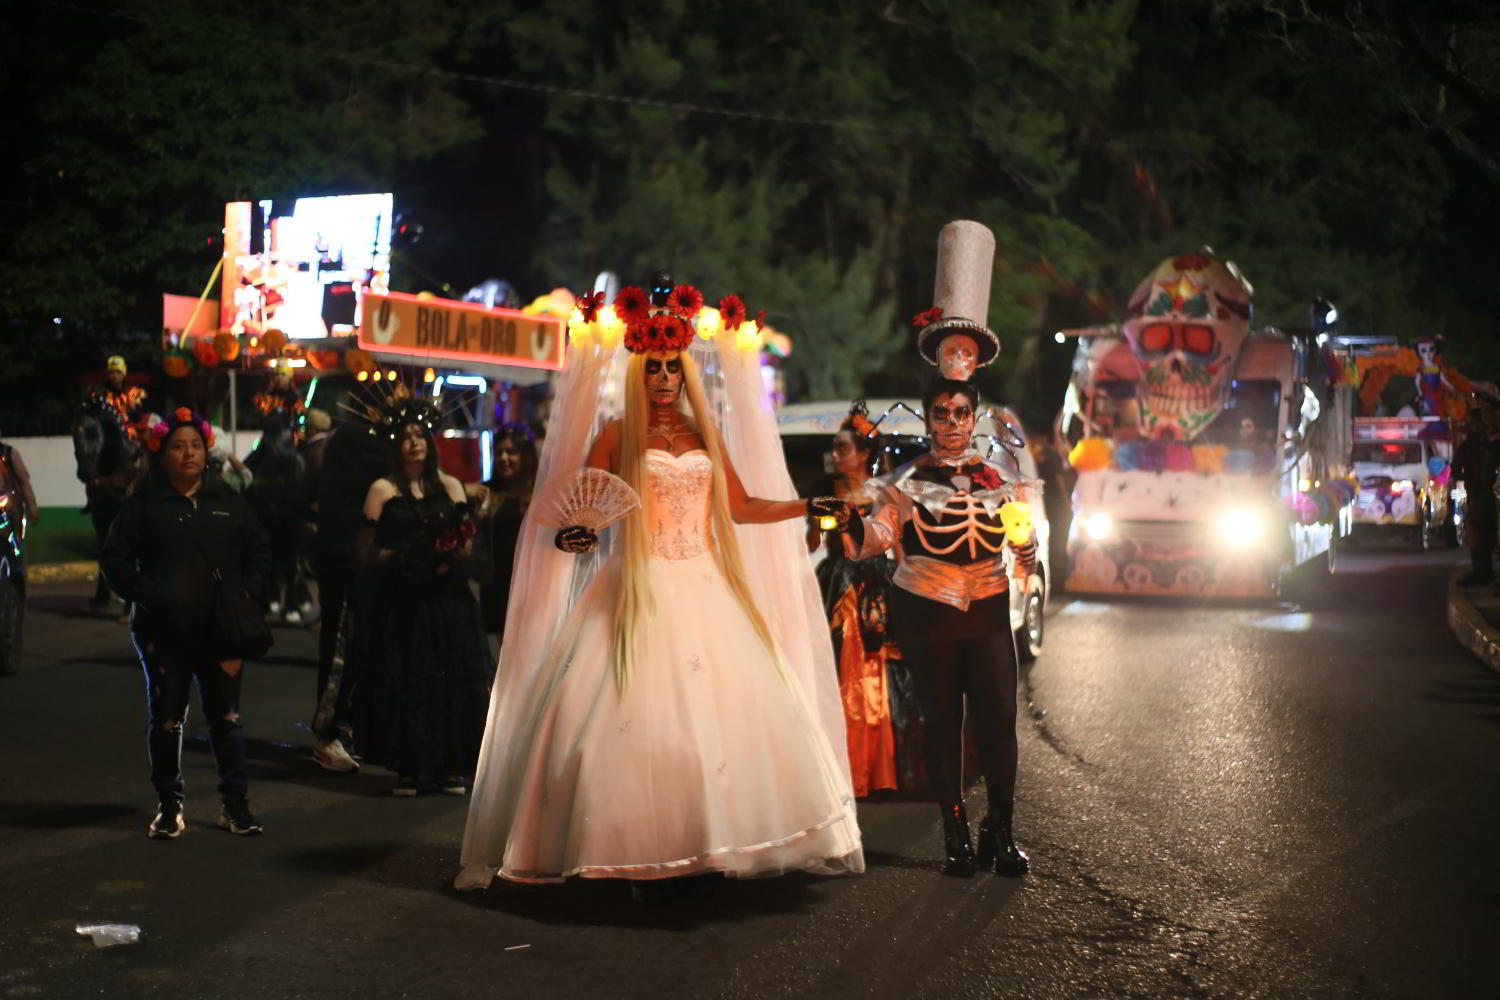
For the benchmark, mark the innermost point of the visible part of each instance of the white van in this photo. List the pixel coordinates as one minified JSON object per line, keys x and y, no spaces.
{"x":807,"y":431}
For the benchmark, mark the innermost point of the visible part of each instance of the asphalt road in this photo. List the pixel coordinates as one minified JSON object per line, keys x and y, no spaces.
{"x":1220,"y":801}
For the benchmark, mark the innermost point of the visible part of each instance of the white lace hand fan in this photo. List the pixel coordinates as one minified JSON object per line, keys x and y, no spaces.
{"x":590,"y":497}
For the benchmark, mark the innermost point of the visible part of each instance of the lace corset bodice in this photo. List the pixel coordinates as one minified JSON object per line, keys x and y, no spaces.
{"x":677,"y":498}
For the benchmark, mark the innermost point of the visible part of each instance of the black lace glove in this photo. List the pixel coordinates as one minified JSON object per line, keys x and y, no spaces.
{"x":821,"y":507}
{"x":1026,"y":556}
{"x":576,"y":538}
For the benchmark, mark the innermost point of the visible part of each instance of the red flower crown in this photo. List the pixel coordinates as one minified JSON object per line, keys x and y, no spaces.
{"x":671,"y":327}
{"x":665,"y":329}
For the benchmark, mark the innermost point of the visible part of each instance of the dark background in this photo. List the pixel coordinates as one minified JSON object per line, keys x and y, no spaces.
{"x":804,"y":158}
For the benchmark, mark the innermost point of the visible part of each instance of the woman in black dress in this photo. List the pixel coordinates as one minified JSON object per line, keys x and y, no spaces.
{"x":507,"y":496}
{"x":420,"y":704}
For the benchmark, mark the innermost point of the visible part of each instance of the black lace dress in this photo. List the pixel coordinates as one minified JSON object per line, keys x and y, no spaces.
{"x":423,"y":691}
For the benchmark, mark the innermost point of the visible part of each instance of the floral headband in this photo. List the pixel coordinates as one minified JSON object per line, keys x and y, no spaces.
{"x":516,"y":429}
{"x":158,"y":429}
{"x":859,"y":420}
{"x":670,"y":327}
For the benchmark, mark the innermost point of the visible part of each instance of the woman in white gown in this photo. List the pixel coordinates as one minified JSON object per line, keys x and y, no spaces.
{"x":676,"y":723}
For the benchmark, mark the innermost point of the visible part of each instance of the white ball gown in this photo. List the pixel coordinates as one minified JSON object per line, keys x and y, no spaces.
{"x":710,"y":760}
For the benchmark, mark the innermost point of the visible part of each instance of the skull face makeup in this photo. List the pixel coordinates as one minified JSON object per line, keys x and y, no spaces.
{"x":1188,"y":322}
{"x":663,"y":378}
{"x":1427,"y":350}
{"x":950,"y":424}
{"x":958,"y":356}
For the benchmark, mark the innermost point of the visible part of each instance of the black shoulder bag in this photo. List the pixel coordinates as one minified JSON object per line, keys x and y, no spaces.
{"x":240,"y":631}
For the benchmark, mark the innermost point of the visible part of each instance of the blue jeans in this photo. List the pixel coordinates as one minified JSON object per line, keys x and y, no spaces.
{"x":170,"y":670}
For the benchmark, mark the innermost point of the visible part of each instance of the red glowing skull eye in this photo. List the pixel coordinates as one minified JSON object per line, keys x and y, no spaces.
{"x":1156,"y":338}
{"x":1198,"y":339}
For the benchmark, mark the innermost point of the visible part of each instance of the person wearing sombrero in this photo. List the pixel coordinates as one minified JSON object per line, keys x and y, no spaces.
{"x":951,"y":599}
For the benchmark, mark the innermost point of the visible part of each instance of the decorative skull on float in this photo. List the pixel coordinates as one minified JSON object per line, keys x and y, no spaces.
{"x":1187,"y":324}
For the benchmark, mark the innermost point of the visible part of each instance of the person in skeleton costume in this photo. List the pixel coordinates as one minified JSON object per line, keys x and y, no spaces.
{"x":947,"y":513}
{"x":671,"y":708}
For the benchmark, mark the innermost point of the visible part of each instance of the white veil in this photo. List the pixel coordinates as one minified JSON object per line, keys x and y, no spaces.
{"x":547,"y":583}
{"x":775,"y":555}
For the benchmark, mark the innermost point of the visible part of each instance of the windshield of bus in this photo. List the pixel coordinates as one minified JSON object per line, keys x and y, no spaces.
{"x":1249,"y":417}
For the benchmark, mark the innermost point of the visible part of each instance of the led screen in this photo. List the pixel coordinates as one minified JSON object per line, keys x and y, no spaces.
{"x":302,"y":266}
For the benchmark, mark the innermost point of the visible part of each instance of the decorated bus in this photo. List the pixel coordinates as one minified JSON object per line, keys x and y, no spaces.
{"x":1211,"y":459}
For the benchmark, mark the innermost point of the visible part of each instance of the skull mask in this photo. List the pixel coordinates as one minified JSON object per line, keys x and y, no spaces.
{"x":958,"y":355}
{"x":1188,"y":322}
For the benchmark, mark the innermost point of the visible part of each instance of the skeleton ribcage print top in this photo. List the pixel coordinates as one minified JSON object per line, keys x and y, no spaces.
{"x":949,"y":512}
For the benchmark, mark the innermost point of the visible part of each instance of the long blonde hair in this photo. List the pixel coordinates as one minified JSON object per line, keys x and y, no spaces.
{"x":635,"y":607}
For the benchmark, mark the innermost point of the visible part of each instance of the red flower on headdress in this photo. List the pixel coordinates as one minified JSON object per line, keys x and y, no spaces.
{"x":661,"y":332}
{"x":685,"y":301}
{"x":927,"y":317}
{"x":670,"y":333}
{"x":732,"y":311}
{"x":588,"y":304}
{"x":632,"y":305}
{"x":183,"y":414}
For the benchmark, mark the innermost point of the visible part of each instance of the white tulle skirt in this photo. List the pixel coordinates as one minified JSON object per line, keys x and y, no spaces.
{"x":710,"y":760}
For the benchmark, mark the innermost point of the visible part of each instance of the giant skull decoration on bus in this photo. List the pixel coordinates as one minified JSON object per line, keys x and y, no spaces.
{"x":1187,"y":324}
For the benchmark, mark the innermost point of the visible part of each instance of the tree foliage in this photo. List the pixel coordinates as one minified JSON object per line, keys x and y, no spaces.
{"x":150,"y":114}
{"x":802,"y":155}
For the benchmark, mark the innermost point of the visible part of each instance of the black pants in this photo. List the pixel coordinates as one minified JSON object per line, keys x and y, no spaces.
{"x":958,"y":658}
{"x":170,"y":672}
{"x":1482,"y":551}
{"x":335,"y":686}
{"x":102,"y":508}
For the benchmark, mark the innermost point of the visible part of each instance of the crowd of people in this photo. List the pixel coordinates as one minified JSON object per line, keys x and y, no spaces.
{"x":353,"y":529}
{"x":667,"y":699}
{"x":649,"y":696}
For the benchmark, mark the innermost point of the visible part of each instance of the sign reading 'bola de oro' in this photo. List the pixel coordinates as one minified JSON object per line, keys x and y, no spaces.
{"x":395,"y":323}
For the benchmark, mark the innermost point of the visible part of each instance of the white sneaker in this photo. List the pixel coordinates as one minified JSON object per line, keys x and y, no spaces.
{"x":293,"y":617}
{"x":332,"y":756}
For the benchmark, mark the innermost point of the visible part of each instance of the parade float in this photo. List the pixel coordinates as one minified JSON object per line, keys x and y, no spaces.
{"x":1211,"y":459}
{"x":1411,"y":409}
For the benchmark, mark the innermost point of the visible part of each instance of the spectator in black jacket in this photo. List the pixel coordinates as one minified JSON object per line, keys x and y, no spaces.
{"x":171,"y":533}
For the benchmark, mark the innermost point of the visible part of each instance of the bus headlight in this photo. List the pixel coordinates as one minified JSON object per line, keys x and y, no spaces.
{"x":1098,"y":526}
{"x":1240,"y":528}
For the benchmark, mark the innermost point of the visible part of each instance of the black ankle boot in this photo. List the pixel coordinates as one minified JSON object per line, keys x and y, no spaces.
{"x":997,"y":845}
{"x":960,"y":853}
